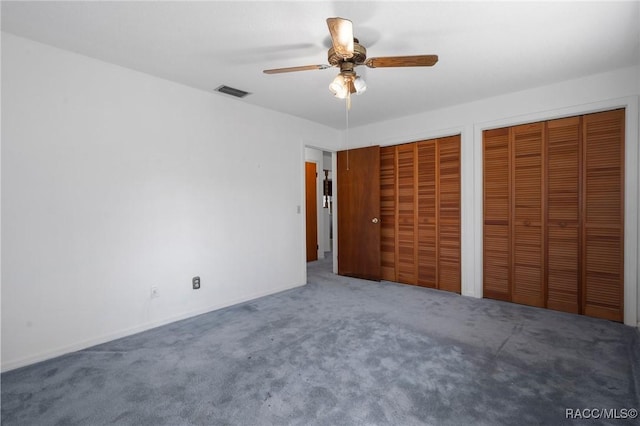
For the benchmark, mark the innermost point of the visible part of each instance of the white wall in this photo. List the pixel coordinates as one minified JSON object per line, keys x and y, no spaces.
{"x":609,"y":90}
{"x":114,"y":181}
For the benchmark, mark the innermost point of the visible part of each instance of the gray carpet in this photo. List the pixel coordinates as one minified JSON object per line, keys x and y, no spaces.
{"x":341,"y":351}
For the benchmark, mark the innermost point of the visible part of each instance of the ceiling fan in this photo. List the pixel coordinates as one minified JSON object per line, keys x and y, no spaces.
{"x":347,"y":53}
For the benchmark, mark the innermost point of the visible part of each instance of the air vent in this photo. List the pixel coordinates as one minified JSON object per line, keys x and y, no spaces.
{"x":231,"y":91}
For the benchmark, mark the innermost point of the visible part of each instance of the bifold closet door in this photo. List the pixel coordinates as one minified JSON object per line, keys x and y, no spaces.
{"x":420,"y":210}
{"x":563,"y":214}
{"x":398,"y":212}
{"x":427,"y":214}
{"x":448,"y":214}
{"x":527,"y":242}
{"x":497,"y":214}
{"x":388,"y":213}
{"x":603,"y":207}
{"x":553,"y":214}
{"x":406,"y":214}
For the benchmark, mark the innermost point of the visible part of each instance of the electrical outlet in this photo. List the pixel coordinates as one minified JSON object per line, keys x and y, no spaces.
{"x":154,"y":292}
{"x":196,"y":283}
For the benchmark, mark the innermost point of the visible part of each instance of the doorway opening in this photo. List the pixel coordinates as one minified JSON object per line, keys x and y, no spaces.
{"x":319,"y":205}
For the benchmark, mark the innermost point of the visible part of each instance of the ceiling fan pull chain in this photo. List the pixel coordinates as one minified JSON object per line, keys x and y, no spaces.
{"x":346,"y":135}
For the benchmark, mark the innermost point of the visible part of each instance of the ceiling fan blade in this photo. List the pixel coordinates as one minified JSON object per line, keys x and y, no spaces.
{"x":294,"y":69}
{"x":402,"y":61}
{"x":341,"y":31}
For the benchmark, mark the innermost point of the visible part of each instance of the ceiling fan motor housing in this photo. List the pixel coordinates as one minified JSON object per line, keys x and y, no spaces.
{"x":359,"y":55}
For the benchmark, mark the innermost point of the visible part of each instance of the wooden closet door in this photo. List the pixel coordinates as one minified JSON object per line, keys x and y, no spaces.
{"x":603,"y":207}
{"x":406,"y":214}
{"x":448,"y":214}
{"x":311,"y":210}
{"x":527,"y":212}
{"x":388,"y":213}
{"x":563,"y":214}
{"x":497,"y":214}
{"x":420,"y":202}
{"x":358,"y":212}
{"x":427,"y":215}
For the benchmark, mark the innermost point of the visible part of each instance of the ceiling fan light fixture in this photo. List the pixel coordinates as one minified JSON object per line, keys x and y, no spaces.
{"x":346,"y":83}
{"x":359,"y":85}
{"x":339,"y":87}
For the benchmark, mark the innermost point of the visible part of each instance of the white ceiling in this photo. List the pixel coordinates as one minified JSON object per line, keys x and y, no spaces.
{"x":485,"y":48}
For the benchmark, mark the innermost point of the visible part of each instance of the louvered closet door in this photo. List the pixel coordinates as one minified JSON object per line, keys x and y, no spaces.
{"x":448,"y":215}
{"x":603,"y":207}
{"x":388,"y":212}
{"x":528,"y":236}
{"x":406,"y":215}
{"x":427,"y":219}
{"x":563,"y":214}
{"x":497,"y":214}
{"x":420,"y":202}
